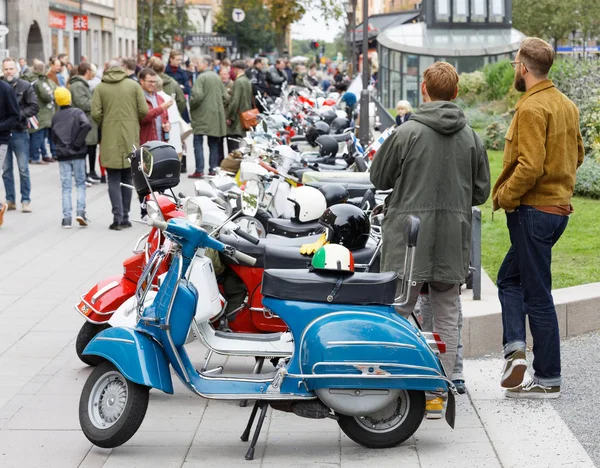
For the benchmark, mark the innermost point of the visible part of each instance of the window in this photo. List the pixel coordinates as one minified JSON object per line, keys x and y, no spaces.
{"x":478,"y":11}
{"x":442,"y":10}
{"x":461,"y":11}
{"x":496,"y":11}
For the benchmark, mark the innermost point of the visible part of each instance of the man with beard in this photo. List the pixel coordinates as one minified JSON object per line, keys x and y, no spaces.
{"x":18,"y":144}
{"x":543,"y":150}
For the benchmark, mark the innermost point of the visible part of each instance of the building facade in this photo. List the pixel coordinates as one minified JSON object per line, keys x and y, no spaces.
{"x":95,"y":29}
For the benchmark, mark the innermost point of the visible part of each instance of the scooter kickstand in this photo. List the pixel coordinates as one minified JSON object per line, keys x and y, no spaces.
{"x":261,"y":419}
{"x":246,"y":434}
{"x":209,"y":354}
{"x":258,"y":365}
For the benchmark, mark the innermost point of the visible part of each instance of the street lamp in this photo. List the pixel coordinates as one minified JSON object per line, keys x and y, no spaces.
{"x":180,"y":6}
{"x":364,"y":95}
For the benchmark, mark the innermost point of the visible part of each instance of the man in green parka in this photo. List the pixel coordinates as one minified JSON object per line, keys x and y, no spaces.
{"x":44,"y":91}
{"x":438,"y":168}
{"x":208,"y":115}
{"x":240,"y":101}
{"x":118,"y":106}
{"x":81,"y":97}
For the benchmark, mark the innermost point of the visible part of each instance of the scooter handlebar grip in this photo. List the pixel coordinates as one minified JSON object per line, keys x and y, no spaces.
{"x":249,"y":237}
{"x":247,"y":259}
{"x":162,"y":225}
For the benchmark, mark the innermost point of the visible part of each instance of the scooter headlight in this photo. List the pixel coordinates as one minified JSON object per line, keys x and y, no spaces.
{"x":153,"y":210}
{"x":193,"y":211}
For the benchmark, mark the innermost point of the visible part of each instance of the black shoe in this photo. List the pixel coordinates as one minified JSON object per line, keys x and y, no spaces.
{"x":125,"y":225}
{"x":66,"y":223}
{"x":103,"y":179}
{"x":184,"y":164}
{"x":461,"y":388}
{"x":115,"y":227}
{"x":94,"y":176}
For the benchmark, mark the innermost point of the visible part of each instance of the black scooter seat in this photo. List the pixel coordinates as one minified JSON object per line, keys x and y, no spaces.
{"x":289,"y":257}
{"x":289,"y":228}
{"x":257,"y":251}
{"x":312,"y":286}
{"x":355,"y":189}
{"x":341,"y":137}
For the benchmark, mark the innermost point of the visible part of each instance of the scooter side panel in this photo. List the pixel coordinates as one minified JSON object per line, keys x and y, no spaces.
{"x":138,"y":357}
{"x":101,"y":301}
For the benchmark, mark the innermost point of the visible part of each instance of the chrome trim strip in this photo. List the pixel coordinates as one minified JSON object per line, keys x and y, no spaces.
{"x":253,"y":396}
{"x":122,"y":340}
{"x":377,"y":343}
{"x":139,"y":241}
{"x":363,"y":376}
{"x":108,"y":287}
{"x":374,"y":364}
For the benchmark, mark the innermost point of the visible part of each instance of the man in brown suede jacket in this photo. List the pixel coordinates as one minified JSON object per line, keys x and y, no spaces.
{"x":543,"y":150}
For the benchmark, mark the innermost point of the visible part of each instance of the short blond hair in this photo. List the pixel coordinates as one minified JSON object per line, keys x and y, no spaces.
{"x":537,"y":55}
{"x":441,"y":80}
{"x":404,"y":105}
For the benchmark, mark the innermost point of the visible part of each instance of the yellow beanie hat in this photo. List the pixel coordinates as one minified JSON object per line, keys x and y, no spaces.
{"x":62,"y":97}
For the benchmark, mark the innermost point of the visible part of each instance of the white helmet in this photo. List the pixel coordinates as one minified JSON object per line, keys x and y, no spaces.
{"x":309,"y":203}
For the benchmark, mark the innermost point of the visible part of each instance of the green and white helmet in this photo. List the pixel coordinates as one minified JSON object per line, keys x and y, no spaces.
{"x":333,"y":257}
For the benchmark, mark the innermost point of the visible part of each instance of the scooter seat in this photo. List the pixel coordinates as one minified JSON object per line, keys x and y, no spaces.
{"x":341,"y":137}
{"x":294,"y":229}
{"x":257,"y":251}
{"x":287,"y":257}
{"x":355,"y":189}
{"x":312,"y":286}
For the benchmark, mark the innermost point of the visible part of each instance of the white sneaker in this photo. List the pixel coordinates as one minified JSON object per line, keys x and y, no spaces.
{"x":88,"y":184}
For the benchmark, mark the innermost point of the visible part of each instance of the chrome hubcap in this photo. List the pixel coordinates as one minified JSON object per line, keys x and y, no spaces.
{"x":108,"y":400}
{"x":388,"y":418}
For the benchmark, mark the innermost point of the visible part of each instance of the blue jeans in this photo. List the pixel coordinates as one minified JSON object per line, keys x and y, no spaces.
{"x":213,"y":146}
{"x":19,"y":145}
{"x":68,"y":169}
{"x":37,"y":144}
{"x":525,"y":288}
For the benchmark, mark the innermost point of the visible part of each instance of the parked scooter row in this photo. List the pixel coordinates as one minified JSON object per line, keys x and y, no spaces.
{"x":354,"y":359}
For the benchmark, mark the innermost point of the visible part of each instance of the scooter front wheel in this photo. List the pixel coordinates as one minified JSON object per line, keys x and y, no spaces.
{"x":86,"y":334}
{"x":390,"y":426}
{"x":111,"y":408}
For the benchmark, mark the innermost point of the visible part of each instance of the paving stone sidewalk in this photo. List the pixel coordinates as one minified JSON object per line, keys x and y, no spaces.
{"x":45,"y":269}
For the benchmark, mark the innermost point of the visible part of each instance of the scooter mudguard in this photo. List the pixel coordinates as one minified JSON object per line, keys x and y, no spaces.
{"x":100,"y":302}
{"x":137,"y":356}
{"x":354,"y":346}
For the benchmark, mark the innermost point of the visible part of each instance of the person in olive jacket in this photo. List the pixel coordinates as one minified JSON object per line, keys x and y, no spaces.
{"x":81,"y":95}
{"x":208,"y":114}
{"x":240,"y":101}
{"x":44,"y":91}
{"x":118,"y":106}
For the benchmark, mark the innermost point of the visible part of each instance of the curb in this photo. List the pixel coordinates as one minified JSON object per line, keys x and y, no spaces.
{"x":577,"y":308}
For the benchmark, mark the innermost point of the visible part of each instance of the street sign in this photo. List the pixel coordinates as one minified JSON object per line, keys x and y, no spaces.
{"x":238,"y":15}
{"x":208,"y":40}
{"x":80,"y":23}
{"x":3,"y":30}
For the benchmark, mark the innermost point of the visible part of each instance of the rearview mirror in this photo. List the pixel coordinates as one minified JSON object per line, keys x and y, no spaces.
{"x":147,"y":162}
{"x":251,"y":198}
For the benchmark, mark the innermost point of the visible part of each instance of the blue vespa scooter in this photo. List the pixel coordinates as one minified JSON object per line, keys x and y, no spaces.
{"x":355,"y":359}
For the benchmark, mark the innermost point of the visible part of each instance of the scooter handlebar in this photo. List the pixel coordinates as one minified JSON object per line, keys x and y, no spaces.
{"x":162,"y":225}
{"x":242,"y":257}
{"x":244,"y":235}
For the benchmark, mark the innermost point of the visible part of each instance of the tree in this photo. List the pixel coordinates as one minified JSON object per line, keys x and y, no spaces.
{"x":548,"y":19}
{"x":587,"y":13}
{"x":166,"y":24}
{"x":255,"y":33}
{"x":286,"y":12}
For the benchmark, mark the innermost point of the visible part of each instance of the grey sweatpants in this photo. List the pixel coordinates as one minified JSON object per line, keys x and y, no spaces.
{"x":426,"y":313}
{"x":444,"y":299}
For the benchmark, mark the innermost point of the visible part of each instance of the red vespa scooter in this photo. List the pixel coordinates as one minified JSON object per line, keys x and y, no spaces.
{"x":103,"y":299}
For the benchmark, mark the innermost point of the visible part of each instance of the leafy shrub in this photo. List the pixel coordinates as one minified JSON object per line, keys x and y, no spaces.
{"x":494,"y":136}
{"x":588,"y":179}
{"x":499,"y":77}
{"x":472,"y":87}
{"x":479,"y":118}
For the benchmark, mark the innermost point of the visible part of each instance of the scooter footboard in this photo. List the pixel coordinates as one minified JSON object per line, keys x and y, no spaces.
{"x":138,"y":357}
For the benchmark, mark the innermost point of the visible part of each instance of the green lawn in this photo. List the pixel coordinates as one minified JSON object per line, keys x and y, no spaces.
{"x":576,"y":257}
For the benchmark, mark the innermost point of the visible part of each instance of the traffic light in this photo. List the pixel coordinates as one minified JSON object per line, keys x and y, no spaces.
{"x":314,"y":45}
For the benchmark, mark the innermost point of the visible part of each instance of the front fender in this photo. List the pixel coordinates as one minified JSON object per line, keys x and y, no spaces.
{"x":138,"y":357}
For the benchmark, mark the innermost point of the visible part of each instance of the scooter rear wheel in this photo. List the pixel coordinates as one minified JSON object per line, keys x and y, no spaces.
{"x":111,"y":408}
{"x":86,"y":334}
{"x":389,"y":427}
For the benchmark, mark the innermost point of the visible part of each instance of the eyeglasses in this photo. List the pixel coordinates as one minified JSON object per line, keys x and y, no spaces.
{"x":517,"y":62}
{"x":150,"y":82}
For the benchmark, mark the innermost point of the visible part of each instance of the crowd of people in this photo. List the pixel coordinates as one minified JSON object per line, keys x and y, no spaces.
{"x":209,"y":96}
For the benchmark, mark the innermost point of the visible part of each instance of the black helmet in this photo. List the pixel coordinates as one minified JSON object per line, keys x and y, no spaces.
{"x":339,"y":124}
{"x":328,"y":146}
{"x":315,"y":131}
{"x":334,"y":194}
{"x":347,"y":225}
{"x":165,"y":168}
{"x":328,"y":114}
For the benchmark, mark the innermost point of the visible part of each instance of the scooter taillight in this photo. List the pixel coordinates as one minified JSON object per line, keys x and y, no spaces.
{"x":435,"y":342}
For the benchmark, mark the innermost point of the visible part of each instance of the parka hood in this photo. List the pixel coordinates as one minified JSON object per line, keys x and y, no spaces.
{"x":166,"y":79}
{"x":442,"y":116}
{"x":76,"y":79}
{"x":114,"y":75}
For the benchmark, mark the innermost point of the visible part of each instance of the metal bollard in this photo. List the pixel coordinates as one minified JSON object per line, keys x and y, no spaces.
{"x":476,"y":253}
